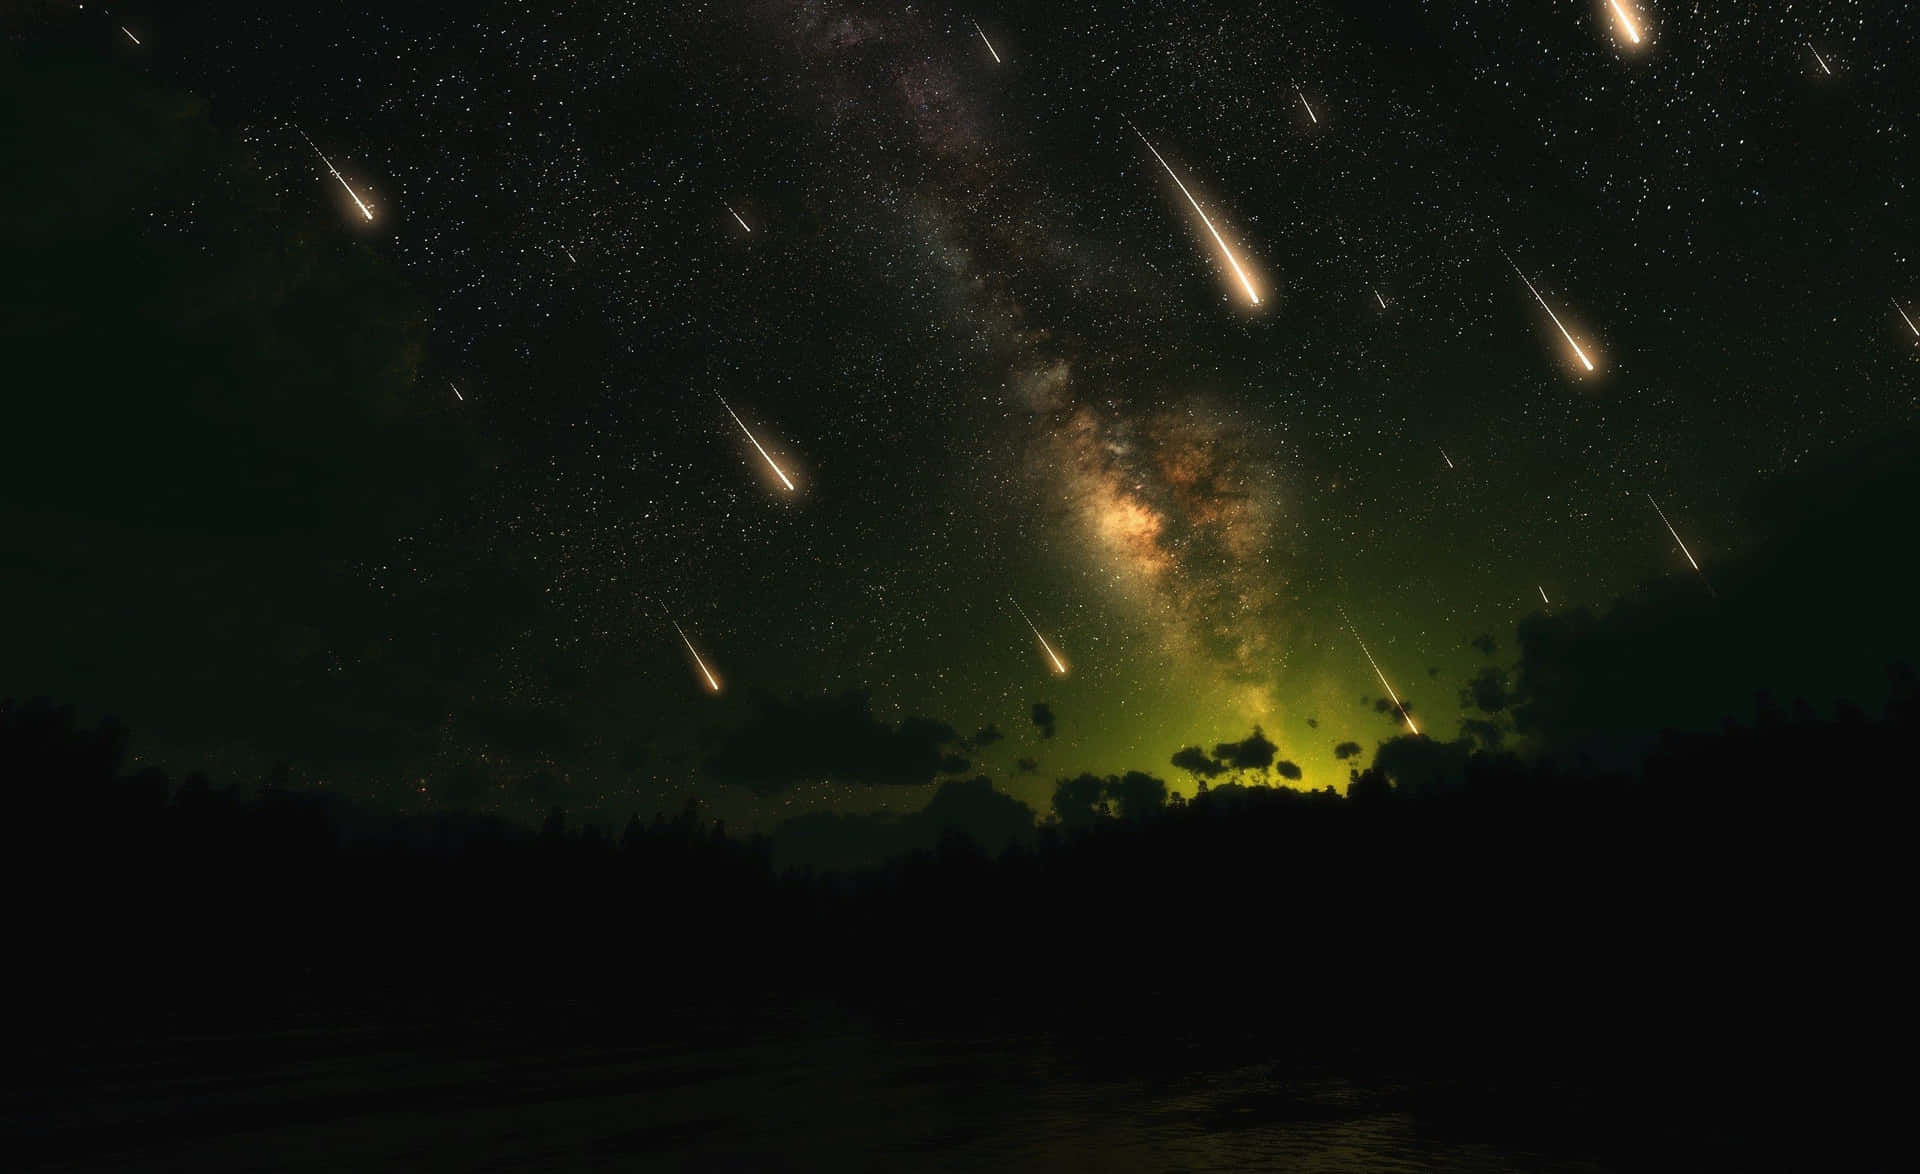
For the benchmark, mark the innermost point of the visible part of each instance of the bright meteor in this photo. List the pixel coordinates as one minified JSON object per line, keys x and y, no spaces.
{"x":1820,"y":59}
{"x":1446,"y":458}
{"x":736,"y":216}
{"x":1226,"y":252}
{"x":333,"y":171}
{"x":456,"y":392}
{"x":983,"y":37}
{"x":1626,"y":22}
{"x":1304,"y":102}
{"x":1543,"y":595}
{"x":1682,"y":545}
{"x":1058,"y":666}
{"x":1381,"y":300}
{"x":1404,"y":715}
{"x":756,"y":443}
{"x":712,"y":682}
{"x":130,"y":36}
{"x":1907,"y":320}
{"x":1588,"y":363}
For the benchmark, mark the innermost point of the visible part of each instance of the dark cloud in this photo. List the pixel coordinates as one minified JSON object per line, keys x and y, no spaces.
{"x":1313,"y":723}
{"x":1486,"y":690}
{"x":783,"y":743}
{"x":1287,"y":770}
{"x":986,"y":736}
{"x":1346,"y":750}
{"x":1485,"y":643}
{"x":1194,"y":761}
{"x":1043,"y":719}
{"x":1254,"y":752}
{"x":1025,"y":766}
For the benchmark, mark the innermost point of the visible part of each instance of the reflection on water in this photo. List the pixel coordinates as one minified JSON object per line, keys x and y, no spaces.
{"x":826,"y":1093}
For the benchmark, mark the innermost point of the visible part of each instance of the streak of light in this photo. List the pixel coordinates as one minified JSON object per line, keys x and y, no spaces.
{"x":1820,"y":59}
{"x":570,"y":256}
{"x":1381,"y":300}
{"x":1446,"y":458}
{"x":1556,"y":318}
{"x":333,"y":171}
{"x":1626,"y":22}
{"x":1672,"y":531}
{"x":1304,"y":102}
{"x":130,"y":36}
{"x":1907,"y":320}
{"x":456,"y":392}
{"x":756,"y":443}
{"x":1543,"y":595}
{"x":712,"y":682}
{"x":736,"y":216}
{"x":1058,"y":666}
{"x":1404,"y":715}
{"x":1226,"y":252}
{"x":983,"y":37}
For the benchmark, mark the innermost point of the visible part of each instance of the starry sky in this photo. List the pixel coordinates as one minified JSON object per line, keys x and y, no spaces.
{"x":1003,"y":362}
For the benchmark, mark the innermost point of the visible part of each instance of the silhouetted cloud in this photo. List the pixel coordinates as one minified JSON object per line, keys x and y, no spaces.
{"x":1485,"y":643}
{"x":986,"y":736}
{"x":1486,"y":690}
{"x":1346,"y":750}
{"x":1287,"y":770}
{"x":1254,"y":752}
{"x":1025,"y":766}
{"x":1043,"y":718}
{"x":783,"y":743}
{"x":1194,"y":760}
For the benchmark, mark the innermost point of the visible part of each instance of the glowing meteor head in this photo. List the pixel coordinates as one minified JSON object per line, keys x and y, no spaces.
{"x":1627,"y":22}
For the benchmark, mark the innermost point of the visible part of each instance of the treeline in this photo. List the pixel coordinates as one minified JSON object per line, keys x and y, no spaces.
{"x":1741,"y":894}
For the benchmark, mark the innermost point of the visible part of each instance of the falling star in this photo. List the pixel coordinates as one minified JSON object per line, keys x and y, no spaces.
{"x":1381,"y":300}
{"x":570,"y":256}
{"x":456,"y":392}
{"x":1397,"y":704}
{"x":712,"y":682}
{"x":333,"y":171}
{"x":756,"y":443}
{"x":130,"y":36}
{"x":1682,"y":544}
{"x":983,"y":37}
{"x":1820,"y":59}
{"x":1588,"y":363}
{"x":1626,"y":22}
{"x":736,"y":216}
{"x":1543,"y":595}
{"x":1446,"y":458}
{"x":1907,"y":320}
{"x":1226,"y":252}
{"x":1058,"y":666}
{"x":1304,"y":102}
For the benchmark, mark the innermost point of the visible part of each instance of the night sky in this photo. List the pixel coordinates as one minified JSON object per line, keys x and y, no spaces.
{"x":1002,"y":360}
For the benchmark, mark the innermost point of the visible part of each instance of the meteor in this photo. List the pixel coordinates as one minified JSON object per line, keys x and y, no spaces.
{"x":1626,"y":22}
{"x":1543,"y":595}
{"x":1058,"y":667}
{"x":130,"y":36}
{"x":983,"y":37}
{"x":1303,"y":102}
{"x":756,"y":443}
{"x":456,"y":392}
{"x":1588,"y":363}
{"x":1381,"y":300}
{"x":1907,"y":320}
{"x":331,"y":170}
{"x":1404,"y":715}
{"x":1683,"y":546}
{"x":570,"y":256}
{"x":1224,"y":250}
{"x":1820,"y":59}
{"x":736,"y":215}
{"x":712,"y":683}
{"x":1446,"y":458}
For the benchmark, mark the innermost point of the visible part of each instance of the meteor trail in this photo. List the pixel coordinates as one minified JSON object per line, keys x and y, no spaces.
{"x":1058,"y":667}
{"x":1224,"y":250}
{"x":1820,"y":59}
{"x":736,"y":216}
{"x":704,"y":671}
{"x":1682,"y":545}
{"x":570,"y":256}
{"x":1626,"y":22}
{"x":1543,"y":595}
{"x":456,"y":392}
{"x":1404,"y":715}
{"x":1446,"y":458}
{"x":756,"y":443}
{"x":1909,"y":321}
{"x":333,"y":171}
{"x":983,"y":37}
{"x":1303,"y":102}
{"x":1381,"y":300}
{"x":130,"y":36}
{"x":1556,"y":318}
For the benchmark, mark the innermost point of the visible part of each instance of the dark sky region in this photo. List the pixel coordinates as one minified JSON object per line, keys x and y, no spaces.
{"x":983,"y":332}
